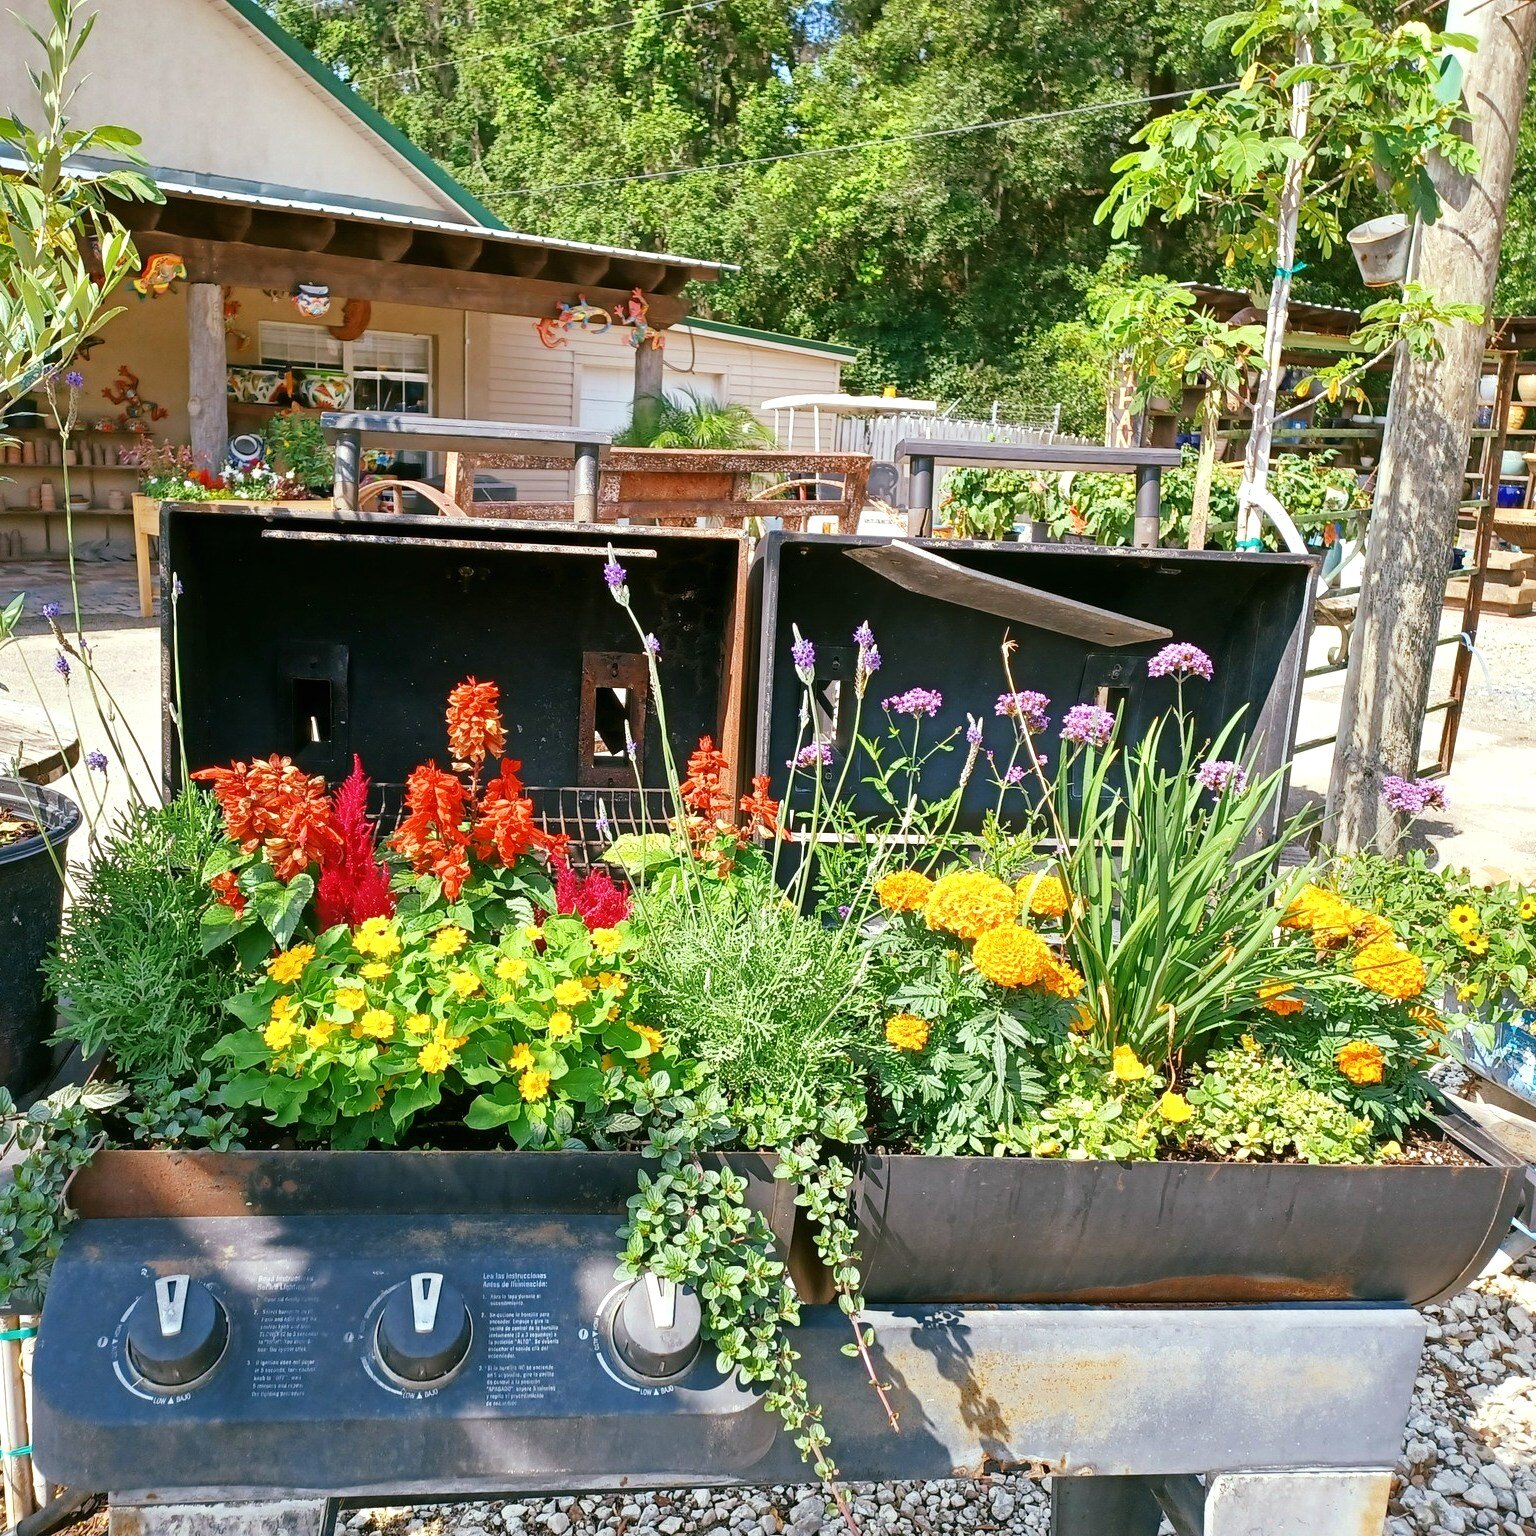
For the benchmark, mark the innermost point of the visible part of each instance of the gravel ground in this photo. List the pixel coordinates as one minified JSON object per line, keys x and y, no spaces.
{"x":1468,"y":1462}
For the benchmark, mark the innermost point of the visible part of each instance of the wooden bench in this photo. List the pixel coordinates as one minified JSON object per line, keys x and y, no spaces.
{"x":1147,"y":464}
{"x":30,"y":746}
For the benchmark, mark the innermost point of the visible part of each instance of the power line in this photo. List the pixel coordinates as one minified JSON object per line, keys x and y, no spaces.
{"x":457,"y":61}
{"x":896,"y":138}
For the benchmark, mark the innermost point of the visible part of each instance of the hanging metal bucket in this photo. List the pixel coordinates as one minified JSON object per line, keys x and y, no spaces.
{"x":1381,"y":249}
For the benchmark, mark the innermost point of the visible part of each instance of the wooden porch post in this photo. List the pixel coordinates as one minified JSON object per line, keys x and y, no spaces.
{"x":207,"y":400}
{"x":649,"y":396}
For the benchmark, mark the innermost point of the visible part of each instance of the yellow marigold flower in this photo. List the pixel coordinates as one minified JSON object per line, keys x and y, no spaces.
{"x":1174,"y":1108}
{"x":434,"y":1057}
{"x":906,"y":1031}
{"x":533,"y":1085}
{"x":607,"y":941}
{"x":1325,"y":914}
{"x":1044,"y":895}
{"x":969,"y":902}
{"x":1082,"y":1020}
{"x":464,"y":983}
{"x":652,"y":1036}
{"x":1385,"y":966}
{"x":418,"y":1023}
{"x":319,"y":1032}
{"x":376,"y":936}
{"x":614,"y":981}
{"x":1128,"y":1066}
{"x":376,"y":1024}
{"x":510,"y":968}
{"x":375,"y":970}
{"x":1462,"y":919}
{"x":520,"y":1058}
{"x":1064,"y":980}
{"x":570,"y":993}
{"x":1370,"y":925}
{"x":904,"y":890}
{"x":351,"y":998}
{"x":1013,"y":957}
{"x":448,"y":941}
{"x":287,"y":967}
{"x":1360,"y":1061}
{"x":1426,"y":1017}
{"x":1475,"y":943}
{"x":1527,"y":908}
{"x":561,"y":1025}
{"x":282,"y":1025}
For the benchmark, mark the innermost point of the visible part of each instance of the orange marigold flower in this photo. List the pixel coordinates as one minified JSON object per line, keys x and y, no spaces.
{"x":904,"y":890}
{"x":969,"y":902}
{"x":1064,"y":980}
{"x":906,"y":1031}
{"x":275,"y":807}
{"x":475,"y":728}
{"x":1014,"y":957}
{"x":1385,"y":966}
{"x":1274,"y":996}
{"x":1361,"y":1062}
{"x":1044,"y":895}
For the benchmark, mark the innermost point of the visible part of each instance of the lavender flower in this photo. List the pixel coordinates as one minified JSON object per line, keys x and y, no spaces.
{"x":615,"y":575}
{"x":803,"y":654}
{"x":96,"y":761}
{"x":914,"y":702}
{"x":653,"y":645}
{"x":75,"y":379}
{"x":1181,"y":660}
{"x":1089,"y":725}
{"x":809,"y":756}
{"x":869,"y":657}
{"x":1027,"y":707}
{"x":61,"y":665}
{"x":51,"y":611}
{"x":1412,"y":797}
{"x":176,"y":587}
{"x":1219,"y":774}
{"x":973,"y":731}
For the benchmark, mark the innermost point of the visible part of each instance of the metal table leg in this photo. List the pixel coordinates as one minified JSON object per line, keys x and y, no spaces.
{"x":920,"y":495}
{"x":349,"y":458}
{"x":1149,"y":502}
{"x":586,"y":483}
{"x":1104,"y":1506}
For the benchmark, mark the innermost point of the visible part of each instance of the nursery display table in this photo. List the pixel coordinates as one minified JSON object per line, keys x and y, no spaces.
{"x":30,"y":744}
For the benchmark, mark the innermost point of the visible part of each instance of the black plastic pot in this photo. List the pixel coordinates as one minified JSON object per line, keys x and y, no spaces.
{"x":1017,"y":1229}
{"x":31,"y":909}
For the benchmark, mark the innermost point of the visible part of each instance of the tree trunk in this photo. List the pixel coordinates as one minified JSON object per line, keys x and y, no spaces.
{"x":207,"y":376}
{"x":1424,"y":454}
{"x":650,"y":395}
{"x":1205,"y":469}
{"x":1255,"y":486}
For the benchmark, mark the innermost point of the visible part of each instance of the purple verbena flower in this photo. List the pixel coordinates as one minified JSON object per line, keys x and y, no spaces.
{"x":1089,"y":725}
{"x":61,"y":665}
{"x":915,"y":701}
{"x":1412,"y":797}
{"x":1015,"y":775}
{"x":816,"y":752}
{"x":1028,"y":707}
{"x":96,"y":761}
{"x":75,"y":379}
{"x":51,"y":611}
{"x":1219,"y":774}
{"x":1181,"y":660}
{"x":653,"y":645}
{"x":844,"y":910}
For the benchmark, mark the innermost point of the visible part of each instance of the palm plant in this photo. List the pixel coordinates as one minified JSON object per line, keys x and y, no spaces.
{"x":693,"y":420}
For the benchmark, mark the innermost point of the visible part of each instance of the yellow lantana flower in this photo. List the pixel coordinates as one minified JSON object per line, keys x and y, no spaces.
{"x":561,"y":1025}
{"x":510,"y":968}
{"x":1128,"y":1066}
{"x":904,"y":890}
{"x":418,"y":1023}
{"x":1174,"y":1108}
{"x":375,"y":970}
{"x":570,"y":993}
{"x":351,"y":998}
{"x":319,"y":1032}
{"x":520,"y":1058}
{"x":287,"y":967}
{"x":533,"y":1085}
{"x":607,"y":941}
{"x":376,"y":1024}
{"x":614,"y":981}
{"x":464,"y":983}
{"x":376,"y":936}
{"x":434,"y":1057}
{"x":448,"y":941}
{"x":652,"y":1036}
{"x":907,"y":1032}
{"x":282,"y":1025}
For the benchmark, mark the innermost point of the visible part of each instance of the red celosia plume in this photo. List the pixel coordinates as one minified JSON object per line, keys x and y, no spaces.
{"x":354,"y":886}
{"x":594,"y":897}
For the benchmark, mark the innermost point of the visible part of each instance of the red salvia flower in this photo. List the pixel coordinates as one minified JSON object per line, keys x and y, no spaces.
{"x":432,"y":836}
{"x":594,"y":897}
{"x":225,"y":887}
{"x":354,"y":886}
{"x":274,"y":806}
{"x":703,"y":790}
{"x":762,"y":809}
{"x":475,"y":729}
{"x":506,"y":825}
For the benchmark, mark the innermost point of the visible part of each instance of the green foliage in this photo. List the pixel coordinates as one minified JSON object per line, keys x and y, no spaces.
{"x":55,"y":1138}
{"x":62,"y":250}
{"x":1091,"y":1111}
{"x":695,"y":421}
{"x":130,"y":967}
{"x":297,"y":447}
{"x":1250,"y":1104}
{"x":983,"y":503}
{"x":167,"y":1114}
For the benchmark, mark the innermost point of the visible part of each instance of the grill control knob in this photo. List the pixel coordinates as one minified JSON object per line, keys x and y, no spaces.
{"x":424,"y":1330}
{"x":657,"y":1328}
{"x":176,"y":1333}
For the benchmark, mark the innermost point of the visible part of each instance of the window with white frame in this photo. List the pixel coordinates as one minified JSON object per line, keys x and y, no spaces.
{"x":388,"y":370}
{"x":606,"y":395}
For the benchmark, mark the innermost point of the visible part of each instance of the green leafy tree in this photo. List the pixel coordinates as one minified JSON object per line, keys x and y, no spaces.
{"x":1330,"y":102}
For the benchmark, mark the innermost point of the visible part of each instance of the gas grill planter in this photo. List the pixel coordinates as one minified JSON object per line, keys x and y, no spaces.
{"x":1004,"y":1229}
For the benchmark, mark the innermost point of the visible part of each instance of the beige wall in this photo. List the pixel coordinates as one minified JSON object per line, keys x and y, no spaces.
{"x":209,"y":94}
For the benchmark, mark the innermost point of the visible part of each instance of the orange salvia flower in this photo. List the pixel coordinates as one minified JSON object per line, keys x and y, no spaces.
{"x":475,"y":729}
{"x":762,"y":809}
{"x":274,"y":806}
{"x":432,"y":835}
